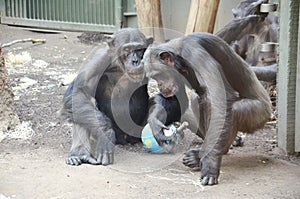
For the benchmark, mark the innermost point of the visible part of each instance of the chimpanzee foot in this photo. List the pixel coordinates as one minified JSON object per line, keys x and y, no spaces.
{"x":191,"y":158}
{"x":209,"y":180}
{"x":210,"y":169}
{"x":78,"y":160}
{"x":105,"y":152}
{"x":105,"y":158}
{"x":238,"y":141}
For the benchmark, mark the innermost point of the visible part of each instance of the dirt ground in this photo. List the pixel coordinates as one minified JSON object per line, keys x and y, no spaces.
{"x":32,"y":159}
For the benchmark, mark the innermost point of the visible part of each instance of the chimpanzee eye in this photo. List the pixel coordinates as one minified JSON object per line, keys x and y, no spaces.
{"x":140,"y":52}
{"x":126,"y":52}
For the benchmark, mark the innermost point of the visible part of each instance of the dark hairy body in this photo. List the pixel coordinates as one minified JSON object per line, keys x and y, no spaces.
{"x":247,"y":32}
{"x":229,"y":98}
{"x":108,"y":103}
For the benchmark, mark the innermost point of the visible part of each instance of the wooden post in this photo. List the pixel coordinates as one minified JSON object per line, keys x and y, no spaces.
{"x":8,"y":118}
{"x":149,"y":18}
{"x":202,"y":16}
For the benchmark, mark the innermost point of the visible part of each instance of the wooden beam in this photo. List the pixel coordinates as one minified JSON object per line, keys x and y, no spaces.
{"x":202,"y":16}
{"x":149,"y":18}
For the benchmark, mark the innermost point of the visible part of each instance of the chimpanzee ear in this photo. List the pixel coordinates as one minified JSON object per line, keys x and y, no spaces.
{"x":149,"y":40}
{"x":110,"y":40}
{"x":234,"y":12}
{"x":167,"y":58}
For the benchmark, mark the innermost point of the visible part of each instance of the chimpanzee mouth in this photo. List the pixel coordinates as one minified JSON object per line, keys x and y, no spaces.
{"x":167,"y":93}
{"x":136,"y":77}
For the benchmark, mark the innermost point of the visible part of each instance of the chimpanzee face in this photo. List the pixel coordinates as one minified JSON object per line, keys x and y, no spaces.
{"x":166,"y":83}
{"x":129,"y":46}
{"x":160,"y":67}
{"x":132,"y":63}
{"x":131,"y":58}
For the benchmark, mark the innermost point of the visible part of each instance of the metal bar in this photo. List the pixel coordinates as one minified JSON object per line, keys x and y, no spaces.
{"x":38,"y":9}
{"x":61,"y":11}
{"x":42,"y":13}
{"x":118,"y":14}
{"x":6,"y":9}
{"x":89,"y":13}
{"x":67,"y":10}
{"x":33,"y":9}
{"x":58,"y":25}
{"x":93,"y":13}
{"x":29,"y":13}
{"x":102,"y":11}
{"x":82,"y":12}
{"x":111,"y":13}
{"x":25,"y":8}
{"x":57,"y":13}
{"x":77,"y":11}
{"x":96,"y":12}
{"x":56,"y":6}
{"x":2,"y":8}
{"x":16,"y":2}
{"x":13,"y":9}
{"x":20,"y":8}
{"x":45,"y":7}
{"x":71,"y":18}
{"x":49,"y":10}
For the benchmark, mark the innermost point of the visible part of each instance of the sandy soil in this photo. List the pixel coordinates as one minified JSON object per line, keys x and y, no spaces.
{"x":35,"y":167}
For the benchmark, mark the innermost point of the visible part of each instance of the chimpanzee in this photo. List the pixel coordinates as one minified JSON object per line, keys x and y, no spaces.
{"x":229,"y":97}
{"x":247,"y":31}
{"x":108,"y":101}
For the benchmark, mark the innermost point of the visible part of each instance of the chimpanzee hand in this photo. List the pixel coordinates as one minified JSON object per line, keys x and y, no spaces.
{"x":191,"y":158}
{"x":210,"y":169}
{"x":157,"y":128}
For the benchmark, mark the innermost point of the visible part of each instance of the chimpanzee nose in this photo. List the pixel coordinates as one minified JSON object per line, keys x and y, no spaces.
{"x":135,"y":61}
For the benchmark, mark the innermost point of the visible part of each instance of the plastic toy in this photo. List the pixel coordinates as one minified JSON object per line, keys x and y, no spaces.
{"x":151,"y":143}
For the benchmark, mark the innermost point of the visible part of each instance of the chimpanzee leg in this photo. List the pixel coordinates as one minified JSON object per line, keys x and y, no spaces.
{"x":199,"y":106}
{"x":105,"y":147}
{"x":122,"y":138}
{"x":81,"y":148}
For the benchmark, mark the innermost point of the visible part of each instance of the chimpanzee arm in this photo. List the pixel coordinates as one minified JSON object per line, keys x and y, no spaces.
{"x":79,"y":107}
{"x":238,"y":28}
{"x":85,"y":83}
{"x":266,"y":73}
{"x":165,"y":111}
{"x":247,"y":16}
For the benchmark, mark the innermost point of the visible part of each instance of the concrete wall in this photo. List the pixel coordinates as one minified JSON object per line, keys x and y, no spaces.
{"x":224,"y":14}
{"x":286,"y":78}
{"x":175,"y":13}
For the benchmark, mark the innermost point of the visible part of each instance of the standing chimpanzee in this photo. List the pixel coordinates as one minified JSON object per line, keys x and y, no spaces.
{"x":108,"y":101}
{"x":249,"y":29}
{"x":229,"y":96}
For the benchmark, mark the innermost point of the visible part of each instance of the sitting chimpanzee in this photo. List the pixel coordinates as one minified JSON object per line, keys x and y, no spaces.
{"x":108,"y":101}
{"x":229,"y":96}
